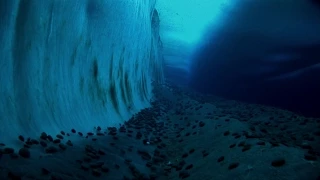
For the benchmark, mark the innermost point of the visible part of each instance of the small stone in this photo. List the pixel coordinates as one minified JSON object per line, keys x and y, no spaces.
{"x":34,"y":141}
{"x":51,"y":150}
{"x":69,"y":143}
{"x":21,"y":138}
{"x":43,"y":136}
{"x":85,"y":166}
{"x":310,"y":157}
{"x":242,"y":143}
{"x":306,"y":146}
{"x":189,"y":166}
{"x":50,"y":138}
{"x":43,"y":144}
{"x":96,"y":172}
{"x":204,"y":154}
{"x":24,"y":152}
{"x":191,"y":151}
{"x":101,"y":152}
{"x":12,"y":175}
{"x":56,"y":141}
{"x":29,"y":142}
{"x":184,"y":174}
{"x":45,"y":171}
{"x":8,"y":150}
{"x":97,"y":164}
{"x":226,"y":133}
{"x":59,"y":136}
{"x":62,"y":146}
{"x":90,"y":134}
{"x":261,"y":143}
{"x":201,"y":124}
{"x":100,"y":134}
{"x":220,"y":159}
{"x":246,"y":147}
{"x":232,"y":145}
{"x":73,"y":131}
{"x":104,"y":168}
{"x":278,"y":162}
{"x":233,"y":166}
{"x":184,"y":155}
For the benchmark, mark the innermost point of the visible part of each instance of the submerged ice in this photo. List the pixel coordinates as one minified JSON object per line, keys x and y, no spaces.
{"x":147,"y":89}
{"x":263,"y":52}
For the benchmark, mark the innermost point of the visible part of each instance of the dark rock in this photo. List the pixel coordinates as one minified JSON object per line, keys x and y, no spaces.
{"x":59,"y":136}
{"x":51,"y":150}
{"x":191,"y":151}
{"x":34,"y":141}
{"x":189,"y":166}
{"x":97,"y":164}
{"x":310,"y":157}
{"x":85,"y":166}
{"x":233,"y":166}
{"x":43,"y":144}
{"x":232,"y":145}
{"x":96,"y":173}
{"x":90,"y":134}
{"x":50,"y":138}
{"x":201,"y":123}
{"x":21,"y":138}
{"x":261,"y":143}
{"x":220,"y":159}
{"x":104,"y":168}
{"x":24,"y":152}
{"x":43,"y":136}
{"x":8,"y":150}
{"x":184,"y":174}
{"x":56,"y":141}
{"x":184,"y":155}
{"x":45,"y":171}
{"x":69,"y":143}
{"x":62,"y":146}
{"x":278,"y":162}
{"x":226,"y":133}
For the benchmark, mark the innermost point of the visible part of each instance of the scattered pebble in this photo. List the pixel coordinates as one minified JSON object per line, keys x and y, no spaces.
{"x":278,"y":162}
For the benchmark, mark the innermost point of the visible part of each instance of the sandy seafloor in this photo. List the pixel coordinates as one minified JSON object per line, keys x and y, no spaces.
{"x":183,"y":135}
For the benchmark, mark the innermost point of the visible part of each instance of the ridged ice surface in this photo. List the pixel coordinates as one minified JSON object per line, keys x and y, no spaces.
{"x":75,"y":64}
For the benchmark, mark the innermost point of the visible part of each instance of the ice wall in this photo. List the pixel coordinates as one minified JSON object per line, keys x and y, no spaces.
{"x":75,"y":64}
{"x":183,"y":23}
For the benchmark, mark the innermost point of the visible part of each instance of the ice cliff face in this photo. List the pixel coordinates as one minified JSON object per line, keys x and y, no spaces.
{"x":75,"y":64}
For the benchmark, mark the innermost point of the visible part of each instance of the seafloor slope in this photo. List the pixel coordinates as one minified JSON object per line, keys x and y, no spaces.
{"x":183,"y":135}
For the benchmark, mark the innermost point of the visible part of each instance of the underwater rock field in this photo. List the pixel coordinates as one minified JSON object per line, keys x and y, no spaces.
{"x":183,"y":135}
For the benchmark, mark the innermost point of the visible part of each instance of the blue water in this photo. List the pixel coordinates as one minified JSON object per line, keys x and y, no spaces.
{"x":159,"y":90}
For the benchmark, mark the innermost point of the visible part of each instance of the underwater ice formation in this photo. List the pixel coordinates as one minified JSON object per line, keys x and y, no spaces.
{"x":183,"y":24}
{"x":263,"y":52}
{"x":75,"y":64}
